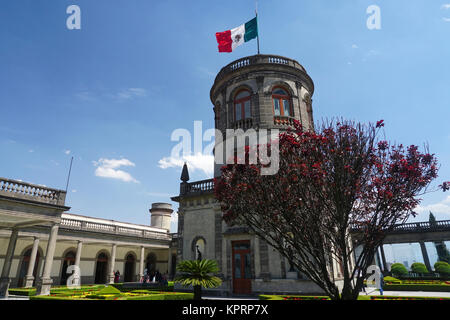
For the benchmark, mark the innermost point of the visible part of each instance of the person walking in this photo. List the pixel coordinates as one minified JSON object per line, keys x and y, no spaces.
{"x":381,"y":283}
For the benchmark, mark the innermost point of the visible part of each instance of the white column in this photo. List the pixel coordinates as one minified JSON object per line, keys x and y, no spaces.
{"x":78,"y":257}
{"x":29,"y":278}
{"x":113,"y":261}
{"x":141,"y":263}
{"x":4,"y":279}
{"x":45,"y":282}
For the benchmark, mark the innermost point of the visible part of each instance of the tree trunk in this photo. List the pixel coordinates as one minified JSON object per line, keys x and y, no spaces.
{"x":197,"y":292}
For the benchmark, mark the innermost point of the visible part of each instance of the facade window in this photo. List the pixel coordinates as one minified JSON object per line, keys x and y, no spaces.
{"x":281,"y":103}
{"x":242,"y":105}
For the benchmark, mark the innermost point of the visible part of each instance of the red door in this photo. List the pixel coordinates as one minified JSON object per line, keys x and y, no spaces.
{"x":242,"y":283}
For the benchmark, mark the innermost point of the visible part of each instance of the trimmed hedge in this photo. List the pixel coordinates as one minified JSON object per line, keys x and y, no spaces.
{"x":28,"y":292}
{"x":419,"y":267}
{"x":151,"y":296}
{"x":417,"y":287}
{"x":120,"y":286}
{"x":398,"y":269}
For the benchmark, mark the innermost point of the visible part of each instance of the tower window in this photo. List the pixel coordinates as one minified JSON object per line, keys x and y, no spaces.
{"x":281,"y":103}
{"x":242,"y":105}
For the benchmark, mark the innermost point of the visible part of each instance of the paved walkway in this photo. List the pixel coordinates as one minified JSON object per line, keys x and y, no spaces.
{"x":409,"y":293}
{"x":13,"y":297}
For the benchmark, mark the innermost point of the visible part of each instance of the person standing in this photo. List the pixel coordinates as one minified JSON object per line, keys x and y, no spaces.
{"x":117,"y":277}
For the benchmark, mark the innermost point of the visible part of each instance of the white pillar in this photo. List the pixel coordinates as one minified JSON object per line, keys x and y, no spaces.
{"x":78,"y":257}
{"x":113,"y":261}
{"x":4,"y":279}
{"x":45,"y":282}
{"x":29,"y":278}
{"x":141,"y":263}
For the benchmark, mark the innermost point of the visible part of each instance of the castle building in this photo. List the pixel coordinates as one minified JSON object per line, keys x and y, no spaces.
{"x":256,"y":92}
{"x":39,"y":241}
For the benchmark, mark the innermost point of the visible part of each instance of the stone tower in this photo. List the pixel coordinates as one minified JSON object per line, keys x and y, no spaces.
{"x":261,"y":92}
{"x":256,"y":92}
{"x":160,"y":215}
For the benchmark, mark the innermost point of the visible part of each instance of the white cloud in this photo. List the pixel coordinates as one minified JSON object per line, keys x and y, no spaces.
{"x":67,"y":152}
{"x":109,"y":168}
{"x":442,"y":207}
{"x":131,"y":93}
{"x":446,"y":6}
{"x":121,"y":95}
{"x":446,"y":19}
{"x":200,"y":162}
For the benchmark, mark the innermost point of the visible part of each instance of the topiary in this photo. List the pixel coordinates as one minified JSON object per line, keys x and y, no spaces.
{"x":419,"y":267}
{"x":398,"y":269}
{"x":442,"y":267}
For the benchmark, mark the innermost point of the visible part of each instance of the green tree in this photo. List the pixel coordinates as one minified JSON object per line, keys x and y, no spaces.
{"x":198,"y":274}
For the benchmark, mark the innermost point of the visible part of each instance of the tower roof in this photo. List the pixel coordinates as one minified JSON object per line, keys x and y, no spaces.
{"x":185,"y":173}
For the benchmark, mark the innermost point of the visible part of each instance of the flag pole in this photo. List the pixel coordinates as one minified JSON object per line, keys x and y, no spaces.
{"x":256,"y":12}
{"x":68,"y":177}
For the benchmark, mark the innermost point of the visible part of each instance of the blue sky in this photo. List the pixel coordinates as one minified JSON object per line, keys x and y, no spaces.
{"x":112,"y":93}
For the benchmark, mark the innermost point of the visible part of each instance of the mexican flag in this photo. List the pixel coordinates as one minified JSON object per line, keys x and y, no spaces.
{"x":231,"y":39}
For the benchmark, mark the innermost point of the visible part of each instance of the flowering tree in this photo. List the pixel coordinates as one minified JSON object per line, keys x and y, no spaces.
{"x":336,"y":189}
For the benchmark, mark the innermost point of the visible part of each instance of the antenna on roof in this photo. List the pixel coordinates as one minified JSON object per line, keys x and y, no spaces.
{"x":68,"y":177}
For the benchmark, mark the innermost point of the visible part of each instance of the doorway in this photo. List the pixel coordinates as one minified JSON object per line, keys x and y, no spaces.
{"x":101,"y":268}
{"x":241,"y":264}
{"x":129,"y":268}
{"x":24,"y":268}
{"x":69,"y":260}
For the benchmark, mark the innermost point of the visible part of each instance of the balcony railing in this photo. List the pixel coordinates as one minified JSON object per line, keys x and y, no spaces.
{"x":27,"y":191}
{"x":198,"y":187}
{"x":258,"y":59}
{"x":74,"y":224}
{"x":243,"y":124}
{"x":412,"y":227}
{"x":283,"y":121}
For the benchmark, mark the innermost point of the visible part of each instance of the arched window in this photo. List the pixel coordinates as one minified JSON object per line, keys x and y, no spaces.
{"x":281,"y":103}
{"x":242,"y":105}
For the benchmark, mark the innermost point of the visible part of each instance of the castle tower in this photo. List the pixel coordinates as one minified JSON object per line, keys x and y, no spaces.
{"x":160,"y":215}
{"x":256,"y":92}
{"x":261,"y":92}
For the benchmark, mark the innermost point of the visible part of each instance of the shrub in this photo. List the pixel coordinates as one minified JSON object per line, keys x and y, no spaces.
{"x":418,"y":267}
{"x":392,"y":280}
{"x":442,"y":267}
{"x":398,"y":269}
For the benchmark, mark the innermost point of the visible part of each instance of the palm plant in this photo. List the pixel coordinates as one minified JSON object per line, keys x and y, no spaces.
{"x":198,"y":274}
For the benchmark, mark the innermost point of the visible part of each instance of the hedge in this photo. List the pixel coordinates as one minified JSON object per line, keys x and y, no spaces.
{"x":417,"y":287}
{"x":418,"y":267}
{"x":54,"y":290}
{"x":153,"y":296}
